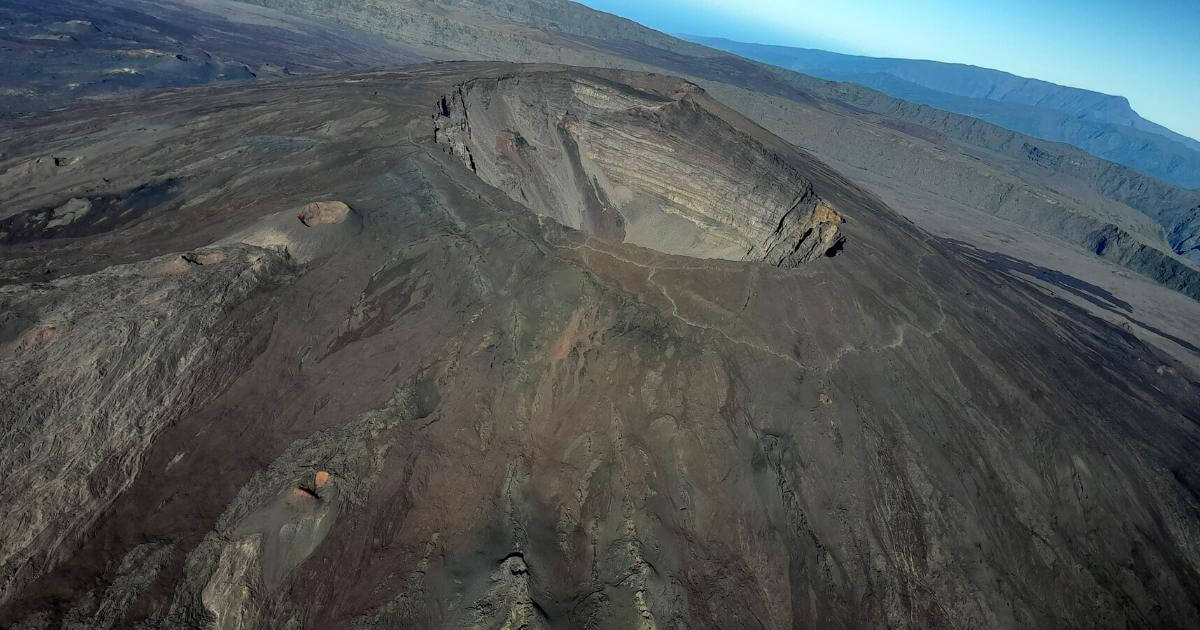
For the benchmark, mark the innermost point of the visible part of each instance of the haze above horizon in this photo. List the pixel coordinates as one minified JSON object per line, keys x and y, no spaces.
{"x":1147,"y":51}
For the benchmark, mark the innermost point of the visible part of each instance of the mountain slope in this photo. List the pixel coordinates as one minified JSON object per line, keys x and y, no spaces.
{"x":428,"y":403}
{"x":62,"y":53}
{"x":1085,"y":204}
{"x":1100,"y":124}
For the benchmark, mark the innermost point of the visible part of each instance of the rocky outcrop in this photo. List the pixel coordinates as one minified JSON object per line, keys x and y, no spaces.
{"x":1184,"y":232}
{"x":323,"y":213}
{"x":653,"y":168}
{"x":1112,"y":243}
{"x":794,"y":243}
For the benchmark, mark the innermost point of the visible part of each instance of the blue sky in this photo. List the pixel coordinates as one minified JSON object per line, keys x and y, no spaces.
{"x":1145,"y":50}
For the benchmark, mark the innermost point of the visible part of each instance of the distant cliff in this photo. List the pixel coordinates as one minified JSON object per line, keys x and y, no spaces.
{"x":1101,"y":124}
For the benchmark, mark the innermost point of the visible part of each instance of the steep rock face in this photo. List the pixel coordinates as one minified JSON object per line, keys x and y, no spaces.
{"x":654,"y":168}
{"x":1115,"y":244}
{"x":1184,"y":232}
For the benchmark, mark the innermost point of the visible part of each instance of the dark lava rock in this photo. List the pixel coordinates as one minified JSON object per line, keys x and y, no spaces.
{"x":451,"y":410}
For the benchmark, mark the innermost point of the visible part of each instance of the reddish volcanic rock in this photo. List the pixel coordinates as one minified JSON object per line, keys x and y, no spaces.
{"x":323,"y":212}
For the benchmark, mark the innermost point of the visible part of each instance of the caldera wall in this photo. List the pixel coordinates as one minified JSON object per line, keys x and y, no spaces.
{"x":656,"y":169}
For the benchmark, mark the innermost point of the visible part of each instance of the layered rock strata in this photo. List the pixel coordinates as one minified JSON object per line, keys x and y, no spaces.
{"x":653,"y":168}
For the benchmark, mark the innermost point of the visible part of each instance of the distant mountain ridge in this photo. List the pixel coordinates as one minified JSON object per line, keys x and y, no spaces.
{"x":1102,"y":124}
